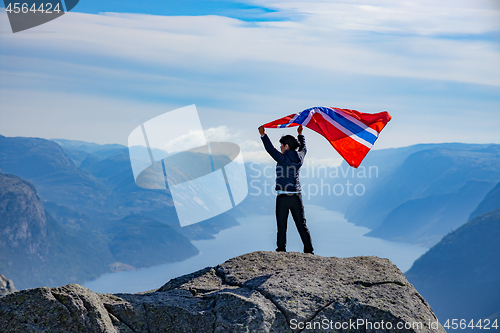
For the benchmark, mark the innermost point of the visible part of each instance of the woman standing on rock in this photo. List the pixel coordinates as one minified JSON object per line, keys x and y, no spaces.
{"x":289,"y":198}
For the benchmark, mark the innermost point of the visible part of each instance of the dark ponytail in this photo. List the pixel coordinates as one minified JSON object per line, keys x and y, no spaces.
{"x":289,"y":140}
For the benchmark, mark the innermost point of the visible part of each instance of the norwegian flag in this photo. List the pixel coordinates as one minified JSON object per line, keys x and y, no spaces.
{"x":350,"y":132}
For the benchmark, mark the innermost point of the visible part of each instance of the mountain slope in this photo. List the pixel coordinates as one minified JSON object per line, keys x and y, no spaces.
{"x":143,"y":242}
{"x":424,"y":221}
{"x":37,"y":250}
{"x":459,"y":275}
{"x":433,"y":171}
{"x":56,"y":178}
{"x":491,"y":202}
{"x":23,"y":228}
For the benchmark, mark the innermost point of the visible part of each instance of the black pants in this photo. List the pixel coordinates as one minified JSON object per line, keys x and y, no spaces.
{"x":293,"y":203}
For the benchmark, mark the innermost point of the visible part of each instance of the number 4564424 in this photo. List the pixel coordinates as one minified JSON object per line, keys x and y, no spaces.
{"x":47,"y":8}
{"x":484,"y":324}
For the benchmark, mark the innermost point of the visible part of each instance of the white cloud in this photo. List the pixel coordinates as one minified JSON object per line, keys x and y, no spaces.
{"x":220,"y":134}
{"x":190,"y":140}
{"x":331,"y":36}
{"x":422,"y":17}
{"x":253,"y":151}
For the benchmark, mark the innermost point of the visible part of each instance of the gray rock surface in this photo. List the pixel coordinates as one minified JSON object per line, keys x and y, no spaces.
{"x":6,"y":286}
{"x":256,"y":292}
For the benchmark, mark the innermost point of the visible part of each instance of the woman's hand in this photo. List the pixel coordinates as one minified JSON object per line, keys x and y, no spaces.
{"x":262,"y":130}
{"x":299,"y":129}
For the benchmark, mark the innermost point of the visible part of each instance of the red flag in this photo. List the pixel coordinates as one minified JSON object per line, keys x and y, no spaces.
{"x":350,"y":132}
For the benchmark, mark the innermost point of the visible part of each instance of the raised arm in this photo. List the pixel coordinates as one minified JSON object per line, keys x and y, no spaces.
{"x":275,"y":154}
{"x":302,"y":141}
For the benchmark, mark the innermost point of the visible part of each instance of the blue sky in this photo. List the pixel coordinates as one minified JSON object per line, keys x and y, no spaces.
{"x":235,"y":9}
{"x":99,"y":71}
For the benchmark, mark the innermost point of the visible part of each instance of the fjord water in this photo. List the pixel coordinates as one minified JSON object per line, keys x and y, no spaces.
{"x":332,"y":236}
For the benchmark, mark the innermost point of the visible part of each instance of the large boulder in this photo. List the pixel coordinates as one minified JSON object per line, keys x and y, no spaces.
{"x":256,"y":292}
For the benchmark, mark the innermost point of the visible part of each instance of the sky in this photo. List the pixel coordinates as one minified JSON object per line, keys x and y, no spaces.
{"x":101,"y":70}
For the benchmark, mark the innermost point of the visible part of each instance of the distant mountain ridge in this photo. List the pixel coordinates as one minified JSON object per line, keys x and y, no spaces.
{"x":88,"y":213}
{"x":424,"y":221}
{"x":78,"y":151}
{"x":436,"y":170}
{"x":55,"y":176}
{"x":37,"y":250}
{"x":88,"y":147}
{"x":102,"y":188}
{"x":459,"y":275}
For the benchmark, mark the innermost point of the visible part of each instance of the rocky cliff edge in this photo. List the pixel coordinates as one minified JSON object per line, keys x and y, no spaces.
{"x":255,"y":292}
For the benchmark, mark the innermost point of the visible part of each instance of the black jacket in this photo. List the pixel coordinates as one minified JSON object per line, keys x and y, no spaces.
{"x":287,"y":164}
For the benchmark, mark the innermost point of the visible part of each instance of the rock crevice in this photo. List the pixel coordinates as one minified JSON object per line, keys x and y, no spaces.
{"x":220,"y":273}
{"x":117,"y":318}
